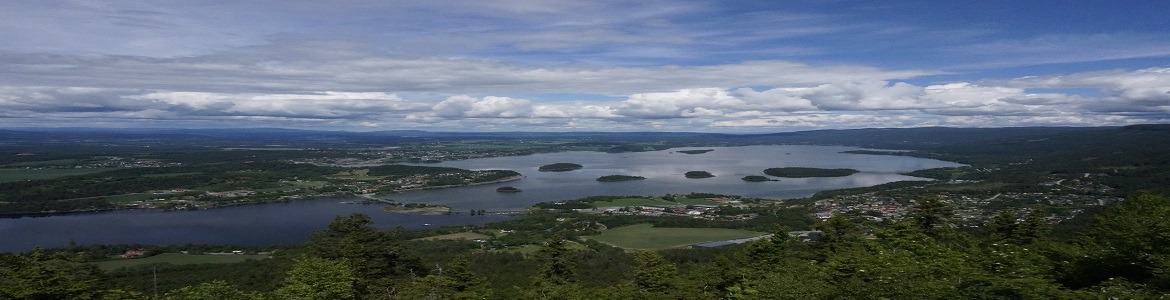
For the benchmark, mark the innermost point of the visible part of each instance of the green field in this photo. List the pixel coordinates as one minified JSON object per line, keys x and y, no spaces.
{"x":127,"y":198}
{"x":10,"y":175}
{"x":170,"y":174}
{"x":532,"y":249}
{"x":695,"y":201}
{"x":633,"y":202}
{"x":177,"y":259}
{"x":55,"y":162}
{"x":644,"y":236}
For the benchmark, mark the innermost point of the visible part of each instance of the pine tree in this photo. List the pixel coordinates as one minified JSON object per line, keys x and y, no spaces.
{"x":932,"y":216}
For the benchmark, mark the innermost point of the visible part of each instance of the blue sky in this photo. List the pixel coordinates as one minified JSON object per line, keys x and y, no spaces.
{"x":552,"y":65}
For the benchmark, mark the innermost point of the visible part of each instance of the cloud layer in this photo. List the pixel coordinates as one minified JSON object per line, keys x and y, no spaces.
{"x":749,"y":96}
{"x":573,"y":65}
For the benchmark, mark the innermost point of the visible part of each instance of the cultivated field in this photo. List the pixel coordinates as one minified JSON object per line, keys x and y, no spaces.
{"x":644,"y":236}
{"x":695,"y":201}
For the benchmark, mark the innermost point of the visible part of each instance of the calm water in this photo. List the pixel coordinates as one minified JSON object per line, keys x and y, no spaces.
{"x":283,"y":223}
{"x":664,"y":174}
{"x":266,"y":224}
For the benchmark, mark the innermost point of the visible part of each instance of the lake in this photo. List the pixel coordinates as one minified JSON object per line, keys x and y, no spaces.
{"x":261,"y":224}
{"x":664,"y":174}
{"x":285,"y":223}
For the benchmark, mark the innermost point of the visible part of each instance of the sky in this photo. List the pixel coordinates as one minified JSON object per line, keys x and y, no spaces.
{"x":567,"y":65}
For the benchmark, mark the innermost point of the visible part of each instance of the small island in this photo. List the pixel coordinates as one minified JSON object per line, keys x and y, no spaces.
{"x":508,"y":189}
{"x":699,"y":174}
{"x":560,"y":167}
{"x":616,"y":178}
{"x":700,"y":151}
{"x":800,"y":172}
{"x":757,"y":178}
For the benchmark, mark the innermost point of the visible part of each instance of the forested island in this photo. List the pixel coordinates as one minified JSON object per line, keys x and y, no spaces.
{"x":800,"y":172}
{"x":698,"y":174}
{"x":757,"y":178}
{"x":560,"y":167}
{"x":418,"y":209}
{"x":508,"y":189}
{"x":699,"y":151}
{"x":616,"y":178}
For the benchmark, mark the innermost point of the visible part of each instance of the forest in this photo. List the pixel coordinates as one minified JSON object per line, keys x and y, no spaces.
{"x":1121,"y":254}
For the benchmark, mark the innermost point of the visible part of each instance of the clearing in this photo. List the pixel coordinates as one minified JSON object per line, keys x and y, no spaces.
{"x":457,"y":236}
{"x":10,"y":175}
{"x":178,"y":259}
{"x":647,"y":237}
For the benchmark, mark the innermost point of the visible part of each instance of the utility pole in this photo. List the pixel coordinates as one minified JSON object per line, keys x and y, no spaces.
{"x":155,"y":282}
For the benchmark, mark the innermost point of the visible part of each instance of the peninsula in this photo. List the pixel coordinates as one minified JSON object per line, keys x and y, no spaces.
{"x":801,"y":172}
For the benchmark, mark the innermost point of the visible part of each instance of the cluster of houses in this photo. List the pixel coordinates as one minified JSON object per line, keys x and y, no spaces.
{"x":971,"y":209}
{"x":707,"y":212}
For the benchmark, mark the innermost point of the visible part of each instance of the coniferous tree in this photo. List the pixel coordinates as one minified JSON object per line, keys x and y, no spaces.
{"x":42,"y":276}
{"x":932,"y":216}
{"x":653,"y":274}
{"x":374,"y":255}
{"x":1002,"y":226}
{"x":215,"y":290}
{"x":315,"y":278}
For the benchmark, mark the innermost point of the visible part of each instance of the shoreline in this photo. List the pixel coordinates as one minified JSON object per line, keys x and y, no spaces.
{"x":369,"y":196}
{"x":439,"y":187}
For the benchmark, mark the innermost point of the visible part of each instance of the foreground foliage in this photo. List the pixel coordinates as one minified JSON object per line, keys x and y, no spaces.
{"x":1124,"y":254}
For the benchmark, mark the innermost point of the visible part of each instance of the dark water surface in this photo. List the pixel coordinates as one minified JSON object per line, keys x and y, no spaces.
{"x":283,"y":223}
{"x":261,"y":224}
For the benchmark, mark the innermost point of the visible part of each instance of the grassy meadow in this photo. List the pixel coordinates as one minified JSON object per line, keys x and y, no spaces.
{"x":10,"y":175}
{"x":177,"y":259}
{"x":647,"y":237}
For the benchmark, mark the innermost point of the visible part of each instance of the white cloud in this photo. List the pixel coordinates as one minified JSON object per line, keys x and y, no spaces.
{"x":487,"y":107}
{"x":1145,"y":90}
{"x":685,"y":102}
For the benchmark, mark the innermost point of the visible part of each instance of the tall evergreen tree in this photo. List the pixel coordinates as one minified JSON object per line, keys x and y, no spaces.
{"x":932,"y":216}
{"x":42,"y":276}
{"x":1130,"y":240}
{"x":373,"y":254}
{"x":315,"y":278}
{"x":653,"y":274}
